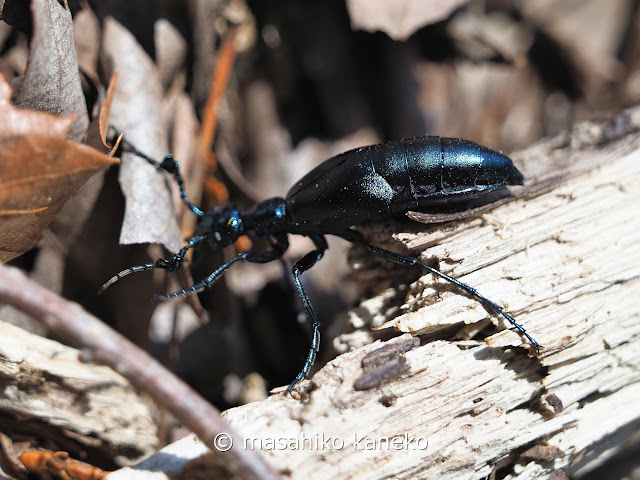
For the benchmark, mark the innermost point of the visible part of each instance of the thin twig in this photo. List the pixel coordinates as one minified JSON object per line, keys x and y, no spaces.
{"x":102,"y":344}
{"x":219,"y":81}
{"x":218,"y":86}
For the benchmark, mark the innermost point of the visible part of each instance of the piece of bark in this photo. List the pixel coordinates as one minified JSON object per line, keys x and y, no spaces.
{"x":565,"y":263}
{"x":90,"y":406}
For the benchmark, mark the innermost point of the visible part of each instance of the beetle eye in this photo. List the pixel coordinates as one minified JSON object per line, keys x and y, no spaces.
{"x":233,"y":221}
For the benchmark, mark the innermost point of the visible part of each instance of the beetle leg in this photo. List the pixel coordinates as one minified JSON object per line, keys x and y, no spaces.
{"x":171,"y":265}
{"x":302,"y":265}
{"x":253,"y":257}
{"x":354,"y":236}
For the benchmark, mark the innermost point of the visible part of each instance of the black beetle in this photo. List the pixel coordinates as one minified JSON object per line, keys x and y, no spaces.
{"x":369,"y":183}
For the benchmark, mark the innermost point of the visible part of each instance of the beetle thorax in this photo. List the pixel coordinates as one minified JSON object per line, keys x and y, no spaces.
{"x":266,"y":218}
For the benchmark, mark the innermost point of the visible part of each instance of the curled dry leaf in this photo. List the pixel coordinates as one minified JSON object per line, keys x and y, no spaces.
{"x":398,"y":19}
{"x":51,"y":82}
{"x":39,"y":170}
{"x":58,"y":464}
{"x":86,"y":28}
{"x":99,"y":127}
{"x":171,"y":50}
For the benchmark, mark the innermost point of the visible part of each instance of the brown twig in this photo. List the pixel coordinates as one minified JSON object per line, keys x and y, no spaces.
{"x":218,"y":86}
{"x":102,"y":344}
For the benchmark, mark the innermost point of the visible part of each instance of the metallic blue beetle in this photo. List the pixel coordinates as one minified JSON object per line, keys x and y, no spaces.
{"x":366,"y":184}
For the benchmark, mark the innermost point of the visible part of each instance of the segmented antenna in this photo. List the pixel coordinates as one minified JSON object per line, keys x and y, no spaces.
{"x":169,"y":165}
{"x":124,"y":273}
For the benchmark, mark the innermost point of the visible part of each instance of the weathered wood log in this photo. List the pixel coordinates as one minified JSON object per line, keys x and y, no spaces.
{"x":101,"y":344}
{"x":49,"y":394}
{"x":564,"y":259}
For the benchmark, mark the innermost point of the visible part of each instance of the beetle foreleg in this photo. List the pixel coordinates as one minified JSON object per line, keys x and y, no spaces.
{"x":302,"y":265}
{"x":252,"y":257}
{"x":355,"y":237}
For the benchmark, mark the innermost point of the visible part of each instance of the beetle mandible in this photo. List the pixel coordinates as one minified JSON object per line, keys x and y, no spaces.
{"x":370,"y":183}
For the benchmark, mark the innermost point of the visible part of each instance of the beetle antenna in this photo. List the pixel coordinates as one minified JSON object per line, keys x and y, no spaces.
{"x":124,"y":273}
{"x":171,"y":265}
{"x":170,"y":166}
{"x":250,"y":257}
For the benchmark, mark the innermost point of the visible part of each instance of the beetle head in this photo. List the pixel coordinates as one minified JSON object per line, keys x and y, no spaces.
{"x":221,"y":225}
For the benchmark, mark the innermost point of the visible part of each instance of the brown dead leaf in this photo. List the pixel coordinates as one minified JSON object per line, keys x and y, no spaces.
{"x":71,"y":219}
{"x":99,"y":126}
{"x":51,"y":464}
{"x":52,"y":82}
{"x":86,"y":27}
{"x":39,"y":170}
{"x":398,"y":19}
{"x":136,"y":111}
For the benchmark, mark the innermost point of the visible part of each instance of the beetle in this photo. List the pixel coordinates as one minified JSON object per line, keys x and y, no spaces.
{"x":365,"y":184}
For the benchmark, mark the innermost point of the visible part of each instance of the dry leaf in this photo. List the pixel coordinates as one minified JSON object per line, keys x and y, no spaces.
{"x":58,"y":465}
{"x":398,"y":19}
{"x":171,"y":50}
{"x":99,"y":126}
{"x":136,"y":111}
{"x":86,"y":28}
{"x":39,"y":170}
{"x":52,"y":82}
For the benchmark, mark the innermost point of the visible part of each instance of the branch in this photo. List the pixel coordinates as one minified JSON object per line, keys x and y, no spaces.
{"x":101,"y":344}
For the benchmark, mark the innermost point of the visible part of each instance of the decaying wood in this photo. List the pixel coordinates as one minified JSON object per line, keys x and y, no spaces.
{"x":565,"y":262}
{"x":75,"y":403}
{"x":104,"y":345}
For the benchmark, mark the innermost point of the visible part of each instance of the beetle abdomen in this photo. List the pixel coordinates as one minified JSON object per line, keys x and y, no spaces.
{"x":392,"y":178}
{"x":445,"y":171}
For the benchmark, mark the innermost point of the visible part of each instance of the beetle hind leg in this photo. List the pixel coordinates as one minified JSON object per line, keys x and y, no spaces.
{"x":354,"y":237}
